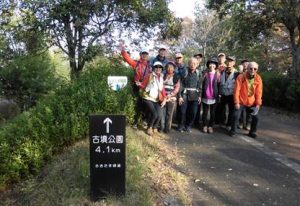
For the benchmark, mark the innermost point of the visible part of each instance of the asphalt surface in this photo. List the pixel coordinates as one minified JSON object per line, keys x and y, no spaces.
{"x":239,"y":170}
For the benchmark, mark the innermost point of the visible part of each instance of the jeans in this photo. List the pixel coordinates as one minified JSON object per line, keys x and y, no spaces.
{"x":227,"y":100}
{"x":198,"y":119}
{"x":188,"y":112}
{"x":237,"y":114}
{"x":155,"y":113}
{"x":245,"y":117}
{"x":211,"y":108}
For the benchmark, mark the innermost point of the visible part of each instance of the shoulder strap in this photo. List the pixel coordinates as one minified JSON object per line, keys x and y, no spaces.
{"x":236,"y":74}
{"x":204,"y":75}
{"x":137,"y":65}
{"x":145,"y":70}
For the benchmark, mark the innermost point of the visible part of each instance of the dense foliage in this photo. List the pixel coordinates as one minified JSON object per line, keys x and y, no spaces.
{"x":281,"y":92}
{"x":77,"y":26}
{"x":254,"y":21}
{"x":27,"y":78}
{"x":58,"y":120}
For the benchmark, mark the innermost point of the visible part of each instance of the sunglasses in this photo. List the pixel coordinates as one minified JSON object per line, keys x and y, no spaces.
{"x":160,"y":67}
{"x":178,"y":57}
{"x":253,"y":68}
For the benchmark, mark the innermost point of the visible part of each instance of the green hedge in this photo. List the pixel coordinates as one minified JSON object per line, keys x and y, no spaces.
{"x":28,"y":78}
{"x":281,"y":92}
{"x":59,"y":120}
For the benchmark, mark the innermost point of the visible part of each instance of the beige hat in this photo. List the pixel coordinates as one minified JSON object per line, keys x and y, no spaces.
{"x":221,"y":54}
{"x":178,"y":55}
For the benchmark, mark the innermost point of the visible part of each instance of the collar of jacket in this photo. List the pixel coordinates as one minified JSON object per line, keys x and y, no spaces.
{"x":160,"y":59}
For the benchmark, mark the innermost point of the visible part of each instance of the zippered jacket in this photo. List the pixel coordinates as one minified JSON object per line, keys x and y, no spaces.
{"x":141,"y":68}
{"x":191,"y":86}
{"x":227,"y":85}
{"x":241,"y":91}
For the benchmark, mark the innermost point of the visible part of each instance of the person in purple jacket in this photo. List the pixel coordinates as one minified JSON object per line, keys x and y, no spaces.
{"x":210,"y":94}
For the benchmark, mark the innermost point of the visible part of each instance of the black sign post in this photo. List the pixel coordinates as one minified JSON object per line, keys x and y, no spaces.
{"x":107,"y":155}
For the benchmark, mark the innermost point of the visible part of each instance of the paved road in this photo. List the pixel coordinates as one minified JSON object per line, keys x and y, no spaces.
{"x":226,"y":170}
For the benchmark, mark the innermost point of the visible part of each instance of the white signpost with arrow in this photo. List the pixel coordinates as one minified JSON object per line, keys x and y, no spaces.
{"x":107,"y":121}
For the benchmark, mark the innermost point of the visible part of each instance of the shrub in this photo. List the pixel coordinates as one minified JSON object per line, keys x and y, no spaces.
{"x":28,"y":78}
{"x":293,"y":96}
{"x":58,"y":120}
{"x":280,"y":91}
{"x":8,"y":109}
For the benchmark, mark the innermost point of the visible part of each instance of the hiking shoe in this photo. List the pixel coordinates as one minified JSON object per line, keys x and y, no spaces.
{"x":210,"y":130}
{"x":204,"y":129}
{"x":231,"y":133}
{"x":157,"y":133}
{"x":150,"y":131}
{"x":228,"y":128}
{"x":167,"y":130}
{"x":240,"y":126}
{"x":188,"y":130}
{"x":135,"y":126}
{"x":180,"y":130}
{"x":248,"y":127}
{"x":252,"y":135}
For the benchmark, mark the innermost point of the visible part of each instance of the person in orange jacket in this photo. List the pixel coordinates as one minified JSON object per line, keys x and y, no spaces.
{"x":247,"y":94}
{"x":141,"y":69}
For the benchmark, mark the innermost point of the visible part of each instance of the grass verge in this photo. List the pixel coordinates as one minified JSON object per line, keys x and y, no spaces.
{"x":151,"y":177}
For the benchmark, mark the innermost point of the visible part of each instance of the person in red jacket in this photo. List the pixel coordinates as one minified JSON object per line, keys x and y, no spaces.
{"x":141,"y":69}
{"x":247,"y":94}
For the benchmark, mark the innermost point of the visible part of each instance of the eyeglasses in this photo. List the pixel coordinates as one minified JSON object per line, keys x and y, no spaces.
{"x":253,"y":68}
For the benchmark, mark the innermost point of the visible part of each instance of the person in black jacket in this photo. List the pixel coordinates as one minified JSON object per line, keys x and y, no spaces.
{"x":189,"y":96}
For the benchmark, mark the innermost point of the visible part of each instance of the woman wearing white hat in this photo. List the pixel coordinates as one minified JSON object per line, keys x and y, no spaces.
{"x":154,"y":97}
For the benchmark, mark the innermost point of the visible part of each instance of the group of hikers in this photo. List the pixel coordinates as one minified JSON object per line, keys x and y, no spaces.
{"x":223,"y":94}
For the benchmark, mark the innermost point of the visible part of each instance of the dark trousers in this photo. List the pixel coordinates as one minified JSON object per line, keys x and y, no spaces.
{"x":198,"y":119}
{"x":245,"y":117}
{"x":188,"y":112}
{"x":219,"y":114}
{"x":155,"y":113}
{"x":211,"y":108}
{"x":237,"y":113}
{"x":167,"y":116}
{"x":138,"y":107}
{"x":227,"y":100}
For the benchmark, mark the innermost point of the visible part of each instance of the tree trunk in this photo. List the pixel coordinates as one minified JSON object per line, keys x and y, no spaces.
{"x":295,"y":63}
{"x":74,"y":70}
{"x":72,"y":61}
{"x":76,"y":66}
{"x":204,"y":52}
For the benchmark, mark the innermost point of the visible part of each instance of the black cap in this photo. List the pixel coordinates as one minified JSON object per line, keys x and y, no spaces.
{"x":244,"y":60}
{"x":198,"y":54}
{"x":212,"y":60}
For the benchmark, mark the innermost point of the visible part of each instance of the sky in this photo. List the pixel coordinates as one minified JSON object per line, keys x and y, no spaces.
{"x":184,"y":8}
{"x":181,"y":8}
